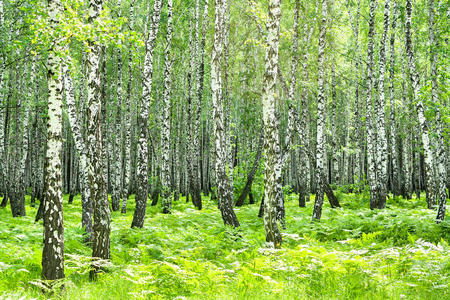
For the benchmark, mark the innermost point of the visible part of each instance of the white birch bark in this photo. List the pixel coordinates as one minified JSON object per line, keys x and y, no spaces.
{"x":381,"y":155}
{"x":80,"y":146}
{"x":273,"y":235}
{"x":53,"y":251}
{"x":393,"y":125}
{"x":371,"y":172}
{"x":127,"y":125}
{"x":320,"y":169}
{"x":441,"y":175}
{"x":142,"y":149}
{"x":116,"y":185}
{"x":165,"y":132}
{"x":414,"y":79}
{"x":224,"y":184}
{"x":99,"y":196}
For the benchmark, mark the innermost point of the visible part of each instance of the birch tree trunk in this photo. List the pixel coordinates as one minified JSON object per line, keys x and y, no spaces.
{"x":394,"y":143}
{"x":200,"y":87}
{"x":102,"y":214}
{"x":441,"y":175}
{"x":381,"y":156}
{"x":165,"y":132}
{"x":317,"y":212}
{"x":116,"y":137}
{"x":273,"y":235}
{"x":371,"y":171}
{"x":194,"y":148}
{"x":75,"y":124}
{"x":224,"y":184}
{"x":53,"y":251}
{"x":303,"y":126}
{"x":414,"y":79}
{"x":142,"y":159}
{"x":127,"y":125}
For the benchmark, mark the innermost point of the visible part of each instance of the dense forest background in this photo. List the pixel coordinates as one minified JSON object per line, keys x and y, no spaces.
{"x":217,"y":130}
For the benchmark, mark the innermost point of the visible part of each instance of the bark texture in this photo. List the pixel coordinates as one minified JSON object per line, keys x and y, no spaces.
{"x":142,"y":148}
{"x":271,"y":153}
{"x":53,"y":252}
{"x":224,"y":184}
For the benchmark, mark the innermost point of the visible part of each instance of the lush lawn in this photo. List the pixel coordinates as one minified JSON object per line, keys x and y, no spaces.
{"x":354,"y":253}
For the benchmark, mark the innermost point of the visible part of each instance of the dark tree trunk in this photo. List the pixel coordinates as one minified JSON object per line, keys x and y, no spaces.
{"x":334,"y":202}
{"x":250,"y":197}
{"x":251,"y":175}
{"x":71,"y":196}
{"x":261,"y":208}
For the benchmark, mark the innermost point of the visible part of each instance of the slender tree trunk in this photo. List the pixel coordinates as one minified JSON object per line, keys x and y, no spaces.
{"x":142,"y":160}
{"x":102,"y":214}
{"x":371,"y":172}
{"x":394,"y":143}
{"x":414,"y":79}
{"x":381,"y":156}
{"x":165,"y":134}
{"x":127,"y":125}
{"x":224,"y":184}
{"x":53,"y":251}
{"x":200,"y":80}
{"x":75,"y":124}
{"x":251,"y":175}
{"x":271,"y":153}
{"x":116,"y":136}
{"x":303,"y":127}
{"x":195,"y":109}
{"x":317,"y":212}
{"x":441,"y":192}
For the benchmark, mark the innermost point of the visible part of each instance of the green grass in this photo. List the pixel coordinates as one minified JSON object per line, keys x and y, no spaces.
{"x":353,"y":253}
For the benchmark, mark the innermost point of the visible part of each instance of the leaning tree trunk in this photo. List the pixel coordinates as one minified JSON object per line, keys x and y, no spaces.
{"x":224,"y":184}
{"x":251,"y":175}
{"x":142,"y":160}
{"x":271,"y":157}
{"x":317,"y":212}
{"x":165,"y":132}
{"x":53,"y":252}
{"x":102,"y":214}
{"x":414,"y":79}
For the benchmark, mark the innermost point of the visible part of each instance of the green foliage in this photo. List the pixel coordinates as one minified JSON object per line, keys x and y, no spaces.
{"x":354,"y":253}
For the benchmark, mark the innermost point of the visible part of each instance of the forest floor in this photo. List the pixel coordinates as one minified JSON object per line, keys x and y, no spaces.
{"x":353,"y":253}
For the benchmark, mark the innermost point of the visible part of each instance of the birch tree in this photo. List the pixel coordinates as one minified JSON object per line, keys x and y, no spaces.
{"x":53,"y":251}
{"x":381,"y":155}
{"x":102,"y":214}
{"x":441,"y":175}
{"x":75,"y":124}
{"x":414,"y":80}
{"x":165,"y":134}
{"x":317,"y":212}
{"x":273,"y":235}
{"x":224,"y":184}
{"x":142,"y":150}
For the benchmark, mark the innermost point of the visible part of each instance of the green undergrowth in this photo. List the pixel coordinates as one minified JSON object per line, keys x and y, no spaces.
{"x":353,"y":253}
